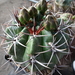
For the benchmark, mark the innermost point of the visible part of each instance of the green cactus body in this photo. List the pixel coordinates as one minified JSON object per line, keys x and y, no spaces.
{"x":48,"y":38}
{"x":32,"y":48}
{"x":42,"y":41}
{"x":13,"y":29}
{"x":23,"y":39}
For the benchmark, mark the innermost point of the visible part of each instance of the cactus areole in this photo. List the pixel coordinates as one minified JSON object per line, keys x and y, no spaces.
{"x":37,"y":40}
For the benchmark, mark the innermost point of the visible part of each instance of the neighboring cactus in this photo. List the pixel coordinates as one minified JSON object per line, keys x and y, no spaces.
{"x":64,"y":5}
{"x":38,"y":40}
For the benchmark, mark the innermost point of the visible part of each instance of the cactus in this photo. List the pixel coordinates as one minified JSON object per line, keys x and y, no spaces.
{"x":38,"y":40}
{"x":64,"y":5}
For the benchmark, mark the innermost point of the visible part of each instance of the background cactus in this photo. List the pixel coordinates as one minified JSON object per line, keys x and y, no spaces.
{"x":39,"y":39}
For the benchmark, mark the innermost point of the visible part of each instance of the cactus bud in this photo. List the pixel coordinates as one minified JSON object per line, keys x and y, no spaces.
{"x":42,"y":1}
{"x":21,"y":19}
{"x":49,"y":17}
{"x":47,"y":25}
{"x":50,"y":23}
{"x":32,"y":11}
{"x":73,"y":17}
{"x":25,"y":14}
{"x":38,"y":6}
{"x":41,"y":6}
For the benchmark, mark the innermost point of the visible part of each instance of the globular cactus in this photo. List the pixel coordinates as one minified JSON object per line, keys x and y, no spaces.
{"x":38,"y":40}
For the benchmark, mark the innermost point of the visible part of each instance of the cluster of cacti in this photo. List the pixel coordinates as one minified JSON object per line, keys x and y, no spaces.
{"x":38,"y":38}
